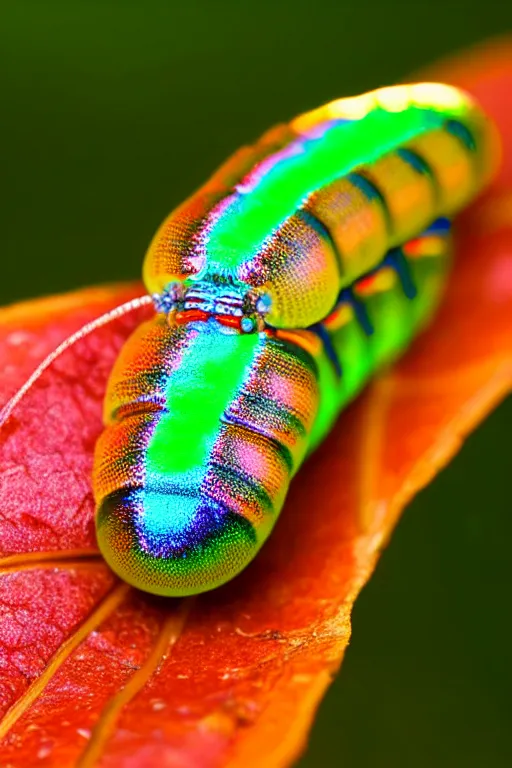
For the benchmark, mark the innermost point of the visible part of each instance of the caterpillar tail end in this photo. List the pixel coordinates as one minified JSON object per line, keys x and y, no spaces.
{"x":178,"y":546}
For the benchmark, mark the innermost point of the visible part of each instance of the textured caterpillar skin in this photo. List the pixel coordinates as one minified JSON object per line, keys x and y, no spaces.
{"x":303,"y":265}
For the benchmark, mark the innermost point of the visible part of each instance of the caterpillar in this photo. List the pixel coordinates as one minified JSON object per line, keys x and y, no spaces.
{"x":307,"y":262}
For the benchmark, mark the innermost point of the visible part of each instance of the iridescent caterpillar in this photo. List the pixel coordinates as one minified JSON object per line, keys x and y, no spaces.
{"x":302,"y":266}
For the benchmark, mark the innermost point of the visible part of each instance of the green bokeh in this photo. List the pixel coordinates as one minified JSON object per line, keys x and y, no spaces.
{"x":112,"y":112}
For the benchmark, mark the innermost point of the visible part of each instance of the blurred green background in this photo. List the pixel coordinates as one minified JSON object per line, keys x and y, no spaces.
{"x":113,"y":112}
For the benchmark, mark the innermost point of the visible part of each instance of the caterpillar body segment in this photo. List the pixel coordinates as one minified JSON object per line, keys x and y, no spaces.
{"x":315,"y":204}
{"x":305,"y":264}
{"x":215,"y":423}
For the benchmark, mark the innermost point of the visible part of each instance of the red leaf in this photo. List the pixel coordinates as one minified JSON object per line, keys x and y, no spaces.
{"x":96,"y":673}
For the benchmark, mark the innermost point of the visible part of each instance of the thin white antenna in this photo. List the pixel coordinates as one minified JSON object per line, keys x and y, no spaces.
{"x":85,"y":330}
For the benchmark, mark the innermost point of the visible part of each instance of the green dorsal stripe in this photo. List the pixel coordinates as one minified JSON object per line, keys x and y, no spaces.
{"x":238,"y":227}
